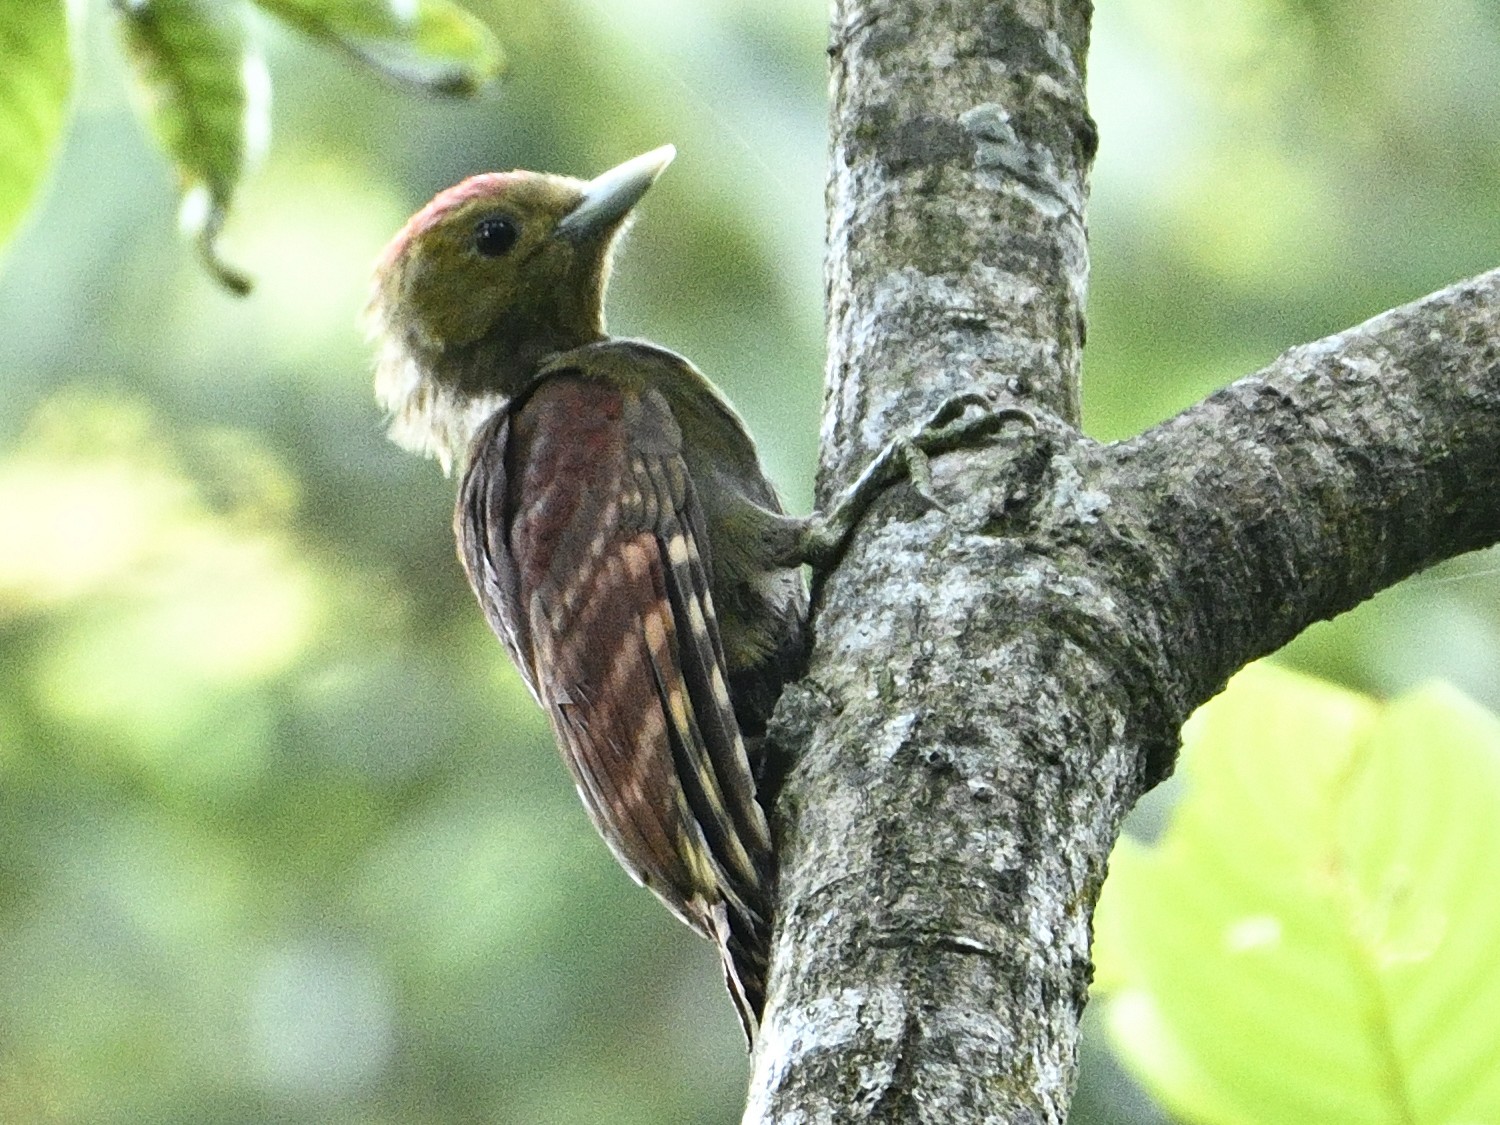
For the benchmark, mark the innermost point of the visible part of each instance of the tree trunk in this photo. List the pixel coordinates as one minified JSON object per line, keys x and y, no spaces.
{"x":994,"y":682}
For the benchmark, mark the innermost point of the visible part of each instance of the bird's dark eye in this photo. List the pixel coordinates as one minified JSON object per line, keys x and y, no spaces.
{"x":495,"y":235}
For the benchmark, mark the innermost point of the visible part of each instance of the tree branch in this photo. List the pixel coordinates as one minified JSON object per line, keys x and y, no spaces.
{"x":995,"y":682}
{"x":1294,"y":494}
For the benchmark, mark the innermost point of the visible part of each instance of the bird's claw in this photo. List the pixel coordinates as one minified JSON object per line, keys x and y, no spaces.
{"x":918,"y":469}
{"x":955,"y":408}
{"x":948,"y":428}
{"x":952,"y":427}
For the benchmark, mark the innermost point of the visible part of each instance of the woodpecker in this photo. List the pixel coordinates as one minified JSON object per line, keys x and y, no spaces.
{"x":616,"y":527}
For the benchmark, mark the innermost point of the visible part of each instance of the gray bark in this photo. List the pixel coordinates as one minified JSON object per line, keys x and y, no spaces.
{"x":994,"y":683}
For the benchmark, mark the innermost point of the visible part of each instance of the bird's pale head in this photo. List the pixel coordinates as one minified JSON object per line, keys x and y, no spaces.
{"x":483,"y":284}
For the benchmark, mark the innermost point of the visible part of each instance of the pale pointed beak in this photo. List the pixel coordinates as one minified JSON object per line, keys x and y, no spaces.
{"x":608,"y":198}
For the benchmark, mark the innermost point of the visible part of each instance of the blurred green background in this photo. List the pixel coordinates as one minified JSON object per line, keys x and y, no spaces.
{"x":282,"y":839}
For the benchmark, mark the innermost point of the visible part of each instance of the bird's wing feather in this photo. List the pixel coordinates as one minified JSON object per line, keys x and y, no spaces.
{"x":582,"y":534}
{"x":479,"y":526}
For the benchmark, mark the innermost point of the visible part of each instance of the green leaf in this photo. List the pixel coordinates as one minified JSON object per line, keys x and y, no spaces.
{"x":1316,"y":938}
{"x":34,"y":83}
{"x":434,"y":44}
{"x":204,"y":100}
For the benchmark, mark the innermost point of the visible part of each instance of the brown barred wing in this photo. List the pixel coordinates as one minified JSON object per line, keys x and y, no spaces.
{"x":600,"y":536}
{"x":479,"y":526}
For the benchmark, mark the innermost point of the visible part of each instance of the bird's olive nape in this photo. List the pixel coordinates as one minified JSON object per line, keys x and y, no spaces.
{"x":494,"y":235}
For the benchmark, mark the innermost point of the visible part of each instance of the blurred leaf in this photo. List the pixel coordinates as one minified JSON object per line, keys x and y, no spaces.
{"x":167,"y":612}
{"x":204,"y":100}
{"x":434,"y":44}
{"x":34,"y":84}
{"x":1313,"y":939}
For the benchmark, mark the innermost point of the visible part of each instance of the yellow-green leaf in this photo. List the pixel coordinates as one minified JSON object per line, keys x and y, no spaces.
{"x":434,"y":44}
{"x":1315,"y":937}
{"x":35,"y":75}
{"x":204,"y":100}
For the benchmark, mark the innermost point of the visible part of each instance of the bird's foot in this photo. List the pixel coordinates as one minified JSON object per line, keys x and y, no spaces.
{"x":964,"y":420}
